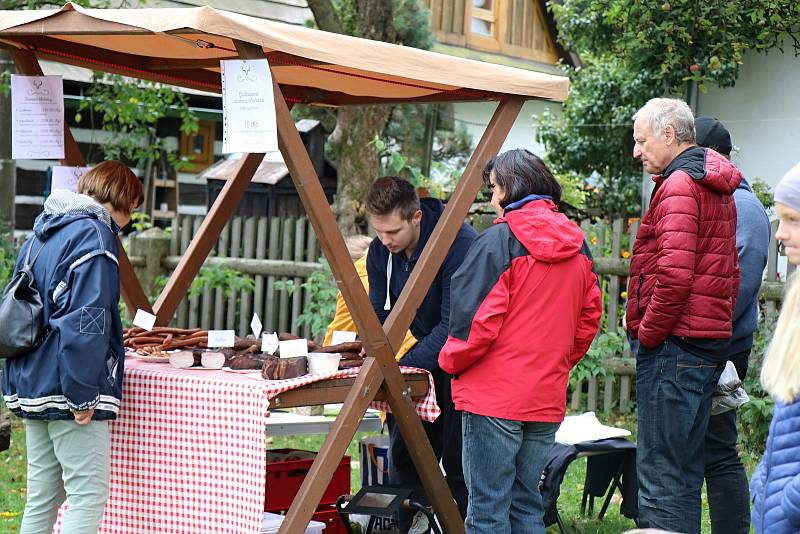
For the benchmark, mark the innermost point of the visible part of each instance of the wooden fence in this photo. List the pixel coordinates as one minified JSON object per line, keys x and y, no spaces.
{"x":611,"y":244}
{"x":290,"y":240}
{"x":269,"y":250}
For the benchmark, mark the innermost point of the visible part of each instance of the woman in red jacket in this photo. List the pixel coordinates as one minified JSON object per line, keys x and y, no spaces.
{"x":526,"y":307}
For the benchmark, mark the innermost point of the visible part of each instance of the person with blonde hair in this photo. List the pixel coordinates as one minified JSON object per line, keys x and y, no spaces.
{"x":70,"y":387}
{"x":775,"y":486}
{"x":357,"y":246}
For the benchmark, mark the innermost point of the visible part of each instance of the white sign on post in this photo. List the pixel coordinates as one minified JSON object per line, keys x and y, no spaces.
{"x":248,"y":107}
{"x":144,"y":320}
{"x":293,"y":348}
{"x":269,"y":343}
{"x":255,"y":325}
{"x":67,"y":177}
{"x":221,"y":338}
{"x":37,"y":117}
{"x":342,"y":336}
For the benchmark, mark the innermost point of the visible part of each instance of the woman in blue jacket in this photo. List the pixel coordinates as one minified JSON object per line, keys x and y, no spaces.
{"x":68,"y":389}
{"x":775,"y":486}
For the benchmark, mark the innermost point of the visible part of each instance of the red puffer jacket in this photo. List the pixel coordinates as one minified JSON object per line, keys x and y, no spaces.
{"x":525,"y":308}
{"x":684,"y":272}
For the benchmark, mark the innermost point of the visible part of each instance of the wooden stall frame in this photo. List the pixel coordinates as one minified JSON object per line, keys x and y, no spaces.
{"x":380,"y":371}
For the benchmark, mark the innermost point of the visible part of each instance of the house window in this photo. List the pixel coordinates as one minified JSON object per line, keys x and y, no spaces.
{"x":198,"y":148}
{"x":483,"y":18}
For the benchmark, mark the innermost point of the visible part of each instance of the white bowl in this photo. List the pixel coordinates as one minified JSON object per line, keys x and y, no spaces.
{"x":322,"y":363}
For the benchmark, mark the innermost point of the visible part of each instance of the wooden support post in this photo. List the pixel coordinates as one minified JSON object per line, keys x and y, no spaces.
{"x":132,"y":291}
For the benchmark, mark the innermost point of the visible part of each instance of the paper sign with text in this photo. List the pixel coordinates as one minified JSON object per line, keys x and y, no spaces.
{"x":37,"y":117}
{"x":248,"y":107}
{"x":67,"y":177}
{"x":220,"y":338}
{"x":293,"y":348}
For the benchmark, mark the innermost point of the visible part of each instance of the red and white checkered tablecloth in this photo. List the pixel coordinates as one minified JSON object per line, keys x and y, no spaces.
{"x":188,"y":451}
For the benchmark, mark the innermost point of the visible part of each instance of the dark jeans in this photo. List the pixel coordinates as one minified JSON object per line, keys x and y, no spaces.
{"x":673,"y":396}
{"x":726,"y":481}
{"x":445,"y":437}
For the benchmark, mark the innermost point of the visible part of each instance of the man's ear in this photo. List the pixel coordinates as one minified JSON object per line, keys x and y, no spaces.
{"x":416,"y":218}
{"x":669,"y":134}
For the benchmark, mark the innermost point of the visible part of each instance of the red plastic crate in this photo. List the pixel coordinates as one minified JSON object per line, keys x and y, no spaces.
{"x":327,"y":514}
{"x":283,"y":481}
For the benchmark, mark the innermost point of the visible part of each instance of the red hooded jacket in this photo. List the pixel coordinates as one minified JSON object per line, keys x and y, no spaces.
{"x":684,"y":271}
{"x":525,"y":307}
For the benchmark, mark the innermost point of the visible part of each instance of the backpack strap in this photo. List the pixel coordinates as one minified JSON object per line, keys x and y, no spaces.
{"x":28,"y":262}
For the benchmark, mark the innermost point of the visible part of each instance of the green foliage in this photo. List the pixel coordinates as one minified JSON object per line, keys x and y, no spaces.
{"x":762,"y":191}
{"x":573,"y":189}
{"x":674,"y":42}
{"x":594,"y":134}
{"x":412,"y":24}
{"x":140,"y":221}
{"x":8,"y":255}
{"x":216,"y":277}
{"x":756,"y":415}
{"x":131,"y":110}
{"x":322,"y":290}
{"x":593,"y":364}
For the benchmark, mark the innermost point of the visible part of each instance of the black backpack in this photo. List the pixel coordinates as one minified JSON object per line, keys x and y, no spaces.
{"x":21,"y":312}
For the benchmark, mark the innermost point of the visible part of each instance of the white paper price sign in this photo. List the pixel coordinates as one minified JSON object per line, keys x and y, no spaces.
{"x":255,"y":326}
{"x":67,"y":177}
{"x":248,"y":107}
{"x":342,"y":336}
{"x":145,"y":320}
{"x":269,"y":343}
{"x":37,"y":117}
{"x":293,"y":348}
{"x":220,"y":338}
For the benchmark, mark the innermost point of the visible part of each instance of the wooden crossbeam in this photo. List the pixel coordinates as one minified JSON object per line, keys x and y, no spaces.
{"x":132,"y":292}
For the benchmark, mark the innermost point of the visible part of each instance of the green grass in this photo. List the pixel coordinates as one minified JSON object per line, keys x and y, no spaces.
{"x":12,"y":483}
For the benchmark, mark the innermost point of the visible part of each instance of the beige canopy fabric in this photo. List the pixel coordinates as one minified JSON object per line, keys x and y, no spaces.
{"x":184,"y":46}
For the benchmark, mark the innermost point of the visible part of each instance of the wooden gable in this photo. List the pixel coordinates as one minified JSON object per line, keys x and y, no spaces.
{"x":516,"y":28}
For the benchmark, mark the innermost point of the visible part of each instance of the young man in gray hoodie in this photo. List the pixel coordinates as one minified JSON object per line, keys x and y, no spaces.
{"x":726,"y":481}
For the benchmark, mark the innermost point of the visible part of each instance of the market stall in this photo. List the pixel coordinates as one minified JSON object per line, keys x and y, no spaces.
{"x":184,"y":47}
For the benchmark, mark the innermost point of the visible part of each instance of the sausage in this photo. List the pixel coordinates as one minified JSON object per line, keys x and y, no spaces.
{"x":351,"y":346}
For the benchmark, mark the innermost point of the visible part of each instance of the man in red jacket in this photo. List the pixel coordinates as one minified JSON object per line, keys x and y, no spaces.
{"x":682,"y":292}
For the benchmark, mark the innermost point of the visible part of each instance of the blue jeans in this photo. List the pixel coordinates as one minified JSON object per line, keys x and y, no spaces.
{"x":673,"y":397}
{"x":503,"y":462}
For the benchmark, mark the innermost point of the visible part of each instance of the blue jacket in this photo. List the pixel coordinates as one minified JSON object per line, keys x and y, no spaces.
{"x":775,"y":486}
{"x":80,"y":364}
{"x":432,"y":319}
{"x":752,"y":245}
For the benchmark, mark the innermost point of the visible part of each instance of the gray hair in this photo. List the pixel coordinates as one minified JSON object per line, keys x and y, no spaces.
{"x":659,"y":112}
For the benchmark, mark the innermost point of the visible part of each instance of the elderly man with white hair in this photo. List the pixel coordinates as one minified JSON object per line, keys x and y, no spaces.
{"x":682,"y":292}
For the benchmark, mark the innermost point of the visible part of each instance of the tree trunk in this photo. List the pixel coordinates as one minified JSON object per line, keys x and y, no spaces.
{"x":358,"y":162}
{"x":8,"y":168}
{"x":356,"y":126}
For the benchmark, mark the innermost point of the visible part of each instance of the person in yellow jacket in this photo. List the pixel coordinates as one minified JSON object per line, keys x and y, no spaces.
{"x":357,"y":246}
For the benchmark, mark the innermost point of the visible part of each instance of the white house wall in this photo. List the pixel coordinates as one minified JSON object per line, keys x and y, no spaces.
{"x":762,"y":112}
{"x":476,"y":115}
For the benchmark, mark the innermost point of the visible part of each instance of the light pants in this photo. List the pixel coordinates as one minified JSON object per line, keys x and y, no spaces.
{"x":66,"y":461}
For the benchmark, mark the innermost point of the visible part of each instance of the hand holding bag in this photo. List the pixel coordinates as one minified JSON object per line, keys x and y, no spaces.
{"x":21,"y":312}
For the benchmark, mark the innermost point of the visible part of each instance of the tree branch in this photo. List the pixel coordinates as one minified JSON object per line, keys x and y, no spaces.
{"x":325,"y":15}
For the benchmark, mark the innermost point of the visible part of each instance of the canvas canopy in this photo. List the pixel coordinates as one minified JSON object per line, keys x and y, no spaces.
{"x":183,"y":46}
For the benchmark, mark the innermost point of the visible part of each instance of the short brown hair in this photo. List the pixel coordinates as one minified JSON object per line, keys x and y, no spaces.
{"x":113,"y":182}
{"x":520,"y":173}
{"x":391,"y":193}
